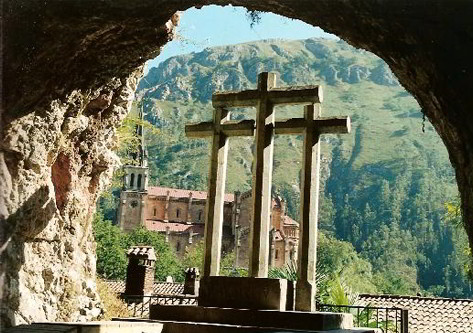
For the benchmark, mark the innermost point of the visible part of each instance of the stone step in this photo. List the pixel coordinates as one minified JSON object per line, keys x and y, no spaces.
{"x":133,"y":325}
{"x":90,"y":327}
{"x":310,"y":321}
{"x":200,"y":327}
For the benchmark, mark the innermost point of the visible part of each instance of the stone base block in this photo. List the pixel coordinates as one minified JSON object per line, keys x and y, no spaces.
{"x":309,"y":321}
{"x":243,"y":293}
{"x":305,"y":296}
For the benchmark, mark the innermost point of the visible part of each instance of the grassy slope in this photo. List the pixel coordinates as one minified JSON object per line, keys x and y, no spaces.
{"x":386,"y":136}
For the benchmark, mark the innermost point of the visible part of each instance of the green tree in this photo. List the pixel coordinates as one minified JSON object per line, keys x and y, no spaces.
{"x":112,"y":244}
{"x":167,"y":263}
{"x":393,"y":254}
{"x":111,"y":258}
{"x":339,"y":259}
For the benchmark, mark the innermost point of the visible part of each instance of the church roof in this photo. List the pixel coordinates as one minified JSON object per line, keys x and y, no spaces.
{"x":289,"y":221}
{"x":181,"y":193}
{"x":278,"y":236}
{"x":428,"y":314}
{"x":160,"y":226}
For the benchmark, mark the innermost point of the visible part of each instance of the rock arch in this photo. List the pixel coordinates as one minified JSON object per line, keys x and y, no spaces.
{"x":69,"y":73}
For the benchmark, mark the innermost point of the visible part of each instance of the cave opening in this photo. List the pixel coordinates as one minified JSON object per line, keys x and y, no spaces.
{"x":70,"y":70}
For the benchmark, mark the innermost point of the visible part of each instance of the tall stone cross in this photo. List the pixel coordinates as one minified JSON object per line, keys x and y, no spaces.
{"x":311,"y":126}
{"x":220,"y":129}
{"x":264,"y":99}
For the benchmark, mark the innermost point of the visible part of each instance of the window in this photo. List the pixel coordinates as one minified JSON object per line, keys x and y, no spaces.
{"x":132,"y":180}
{"x":178,"y":246}
{"x":178,"y":212}
{"x":154,"y":212}
{"x":276,"y":254}
{"x":200,"y":216}
{"x":291,"y":254}
{"x":138,"y":182}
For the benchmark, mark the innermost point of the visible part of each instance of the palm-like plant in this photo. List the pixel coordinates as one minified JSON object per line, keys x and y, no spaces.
{"x":289,"y":272}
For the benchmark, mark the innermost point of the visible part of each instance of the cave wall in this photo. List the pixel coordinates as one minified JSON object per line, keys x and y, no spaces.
{"x":69,"y":72}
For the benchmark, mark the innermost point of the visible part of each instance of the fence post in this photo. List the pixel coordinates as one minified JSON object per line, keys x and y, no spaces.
{"x":404,"y":321}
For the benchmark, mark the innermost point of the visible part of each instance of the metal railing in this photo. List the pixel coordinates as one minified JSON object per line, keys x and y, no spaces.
{"x":138,"y":306}
{"x":388,"y":319}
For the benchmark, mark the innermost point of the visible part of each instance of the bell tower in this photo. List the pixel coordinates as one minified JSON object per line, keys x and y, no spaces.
{"x":135,"y":182}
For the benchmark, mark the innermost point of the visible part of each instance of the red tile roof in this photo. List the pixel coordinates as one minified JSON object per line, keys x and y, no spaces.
{"x":180,"y":193}
{"x":159,"y":288}
{"x":160,"y":226}
{"x":289,"y":221}
{"x":146,"y":252}
{"x":428,"y":314}
{"x":277,"y":235}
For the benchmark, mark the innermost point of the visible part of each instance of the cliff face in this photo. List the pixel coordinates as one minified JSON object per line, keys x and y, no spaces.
{"x":69,"y":72}
{"x":56,"y":159}
{"x":59,"y":159}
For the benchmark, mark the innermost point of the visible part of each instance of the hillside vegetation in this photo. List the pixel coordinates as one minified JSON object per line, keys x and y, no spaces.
{"x":384,"y":186}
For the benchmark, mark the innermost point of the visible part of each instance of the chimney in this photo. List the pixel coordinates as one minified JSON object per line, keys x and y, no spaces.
{"x":191,"y":282}
{"x":140,"y":271}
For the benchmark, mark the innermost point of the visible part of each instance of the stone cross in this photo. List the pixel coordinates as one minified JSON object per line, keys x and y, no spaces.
{"x":311,"y":126}
{"x":264,"y":99}
{"x":216,"y":191}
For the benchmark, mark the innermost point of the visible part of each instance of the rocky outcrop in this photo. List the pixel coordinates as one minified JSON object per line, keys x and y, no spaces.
{"x":56,"y":159}
{"x":69,"y":69}
{"x":60,"y":158}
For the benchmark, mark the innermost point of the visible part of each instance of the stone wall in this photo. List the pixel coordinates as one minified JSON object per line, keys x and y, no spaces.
{"x":131,"y":206}
{"x":155,"y":208}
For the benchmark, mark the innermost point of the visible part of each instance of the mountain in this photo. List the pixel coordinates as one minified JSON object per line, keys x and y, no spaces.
{"x":385,"y":182}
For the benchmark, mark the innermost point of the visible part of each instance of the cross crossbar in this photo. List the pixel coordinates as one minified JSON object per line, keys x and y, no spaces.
{"x":229,"y":128}
{"x":276,"y":96}
{"x":332,"y":125}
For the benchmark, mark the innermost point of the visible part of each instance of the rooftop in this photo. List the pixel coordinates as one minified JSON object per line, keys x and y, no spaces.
{"x":159,"y":288}
{"x":160,"y":226}
{"x":429,"y":314}
{"x":180,"y":193}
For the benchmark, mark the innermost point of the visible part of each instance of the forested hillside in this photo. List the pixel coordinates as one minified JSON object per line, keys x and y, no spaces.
{"x":384,"y":186}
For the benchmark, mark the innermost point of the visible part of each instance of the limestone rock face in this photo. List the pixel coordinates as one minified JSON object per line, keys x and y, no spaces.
{"x":59,"y":158}
{"x":69,"y":72}
{"x":56,"y":159}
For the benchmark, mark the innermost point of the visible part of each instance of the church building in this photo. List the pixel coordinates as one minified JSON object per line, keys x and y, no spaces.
{"x":179,"y":214}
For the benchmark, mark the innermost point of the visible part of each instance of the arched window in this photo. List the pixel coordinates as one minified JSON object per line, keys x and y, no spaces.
{"x":132,"y":180}
{"x":200,"y":216}
{"x":178,"y":212}
{"x":154,"y":212}
{"x":276,"y":255}
{"x":138,"y":182}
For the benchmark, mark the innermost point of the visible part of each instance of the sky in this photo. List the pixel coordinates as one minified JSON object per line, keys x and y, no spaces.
{"x":216,"y":26}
